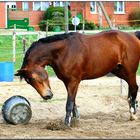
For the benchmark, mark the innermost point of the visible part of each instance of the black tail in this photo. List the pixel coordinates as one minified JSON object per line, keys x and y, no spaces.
{"x":137,"y":34}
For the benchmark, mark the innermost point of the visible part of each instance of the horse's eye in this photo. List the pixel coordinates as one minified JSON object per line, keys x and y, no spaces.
{"x":27,"y":80}
{"x":33,"y":79}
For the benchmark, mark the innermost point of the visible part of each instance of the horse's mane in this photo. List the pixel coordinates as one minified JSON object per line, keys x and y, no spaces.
{"x":48,"y":39}
{"x":57,"y":37}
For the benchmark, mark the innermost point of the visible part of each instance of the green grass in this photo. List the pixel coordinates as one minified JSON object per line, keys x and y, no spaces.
{"x":138,"y":71}
{"x":6,"y":50}
{"x":7,"y":56}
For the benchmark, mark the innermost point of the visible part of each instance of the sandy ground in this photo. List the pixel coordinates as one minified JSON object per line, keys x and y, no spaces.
{"x":103,"y":111}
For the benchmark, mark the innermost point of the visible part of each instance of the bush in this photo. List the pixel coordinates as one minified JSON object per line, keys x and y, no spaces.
{"x":42,"y":25}
{"x":55,"y":17}
{"x":50,"y":11}
{"x":134,"y":15}
{"x":88,"y":26}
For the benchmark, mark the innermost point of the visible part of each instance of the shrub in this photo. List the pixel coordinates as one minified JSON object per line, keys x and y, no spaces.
{"x":55,"y":17}
{"x":42,"y":25}
{"x":88,"y":26}
{"x":134,"y":15}
{"x":50,"y":11}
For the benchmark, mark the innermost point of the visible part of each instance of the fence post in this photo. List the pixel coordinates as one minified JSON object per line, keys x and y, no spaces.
{"x":121,"y":89}
{"x":47,"y":28}
{"x":24,"y":45}
{"x":66,"y":16}
{"x":14,"y":43}
{"x":39,"y":34}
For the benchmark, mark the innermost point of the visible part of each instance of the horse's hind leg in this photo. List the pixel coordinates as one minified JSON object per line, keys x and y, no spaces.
{"x":130,"y":78}
{"x":132,"y":95}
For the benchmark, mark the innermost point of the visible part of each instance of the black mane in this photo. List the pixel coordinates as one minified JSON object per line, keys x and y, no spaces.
{"x":57,"y":37}
{"x":48,"y":39}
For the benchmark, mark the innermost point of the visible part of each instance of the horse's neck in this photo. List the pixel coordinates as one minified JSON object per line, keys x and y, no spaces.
{"x":51,"y":53}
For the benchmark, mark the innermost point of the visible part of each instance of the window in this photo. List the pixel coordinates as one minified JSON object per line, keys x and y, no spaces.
{"x":40,"y":6}
{"x":37,"y":6}
{"x":44,"y":5}
{"x":93,"y":7}
{"x":119,"y":7}
{"x":11,"y":5}
{"x":58,"y":3}
{"x":25,"y":6}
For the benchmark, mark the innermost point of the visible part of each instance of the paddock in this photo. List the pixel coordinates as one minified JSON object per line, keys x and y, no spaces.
{"x":102,"y":106}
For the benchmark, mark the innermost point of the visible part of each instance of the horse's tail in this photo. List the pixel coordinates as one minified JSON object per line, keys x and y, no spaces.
{"x":137,"y":34}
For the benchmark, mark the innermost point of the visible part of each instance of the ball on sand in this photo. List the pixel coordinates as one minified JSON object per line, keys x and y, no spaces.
{"x":17,"y":110}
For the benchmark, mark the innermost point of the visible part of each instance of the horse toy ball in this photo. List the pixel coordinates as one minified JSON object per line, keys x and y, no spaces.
{"x":16,"y":110}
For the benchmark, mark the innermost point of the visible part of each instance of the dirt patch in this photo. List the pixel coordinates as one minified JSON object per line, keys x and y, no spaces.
{"x":103,"y":110}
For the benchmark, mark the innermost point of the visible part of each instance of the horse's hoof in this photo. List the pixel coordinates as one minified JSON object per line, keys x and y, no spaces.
{"x":133,"y":117}
{"x":75,"y":122}
{"x":67,"y":123}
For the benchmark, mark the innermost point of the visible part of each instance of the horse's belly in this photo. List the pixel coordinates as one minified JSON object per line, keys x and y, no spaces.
{"x":98,"y":70}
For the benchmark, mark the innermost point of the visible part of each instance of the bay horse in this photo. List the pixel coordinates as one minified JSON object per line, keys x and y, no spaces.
{"x":75,"y":57}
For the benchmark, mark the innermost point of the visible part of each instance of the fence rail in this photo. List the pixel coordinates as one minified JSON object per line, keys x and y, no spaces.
{"x":14,"y":43}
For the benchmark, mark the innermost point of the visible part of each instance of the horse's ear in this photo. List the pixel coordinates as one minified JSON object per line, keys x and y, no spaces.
{"x":20,"y":72}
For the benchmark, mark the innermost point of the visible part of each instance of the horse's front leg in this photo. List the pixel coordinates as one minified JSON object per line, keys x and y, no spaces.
{"x":69,"y":108}
{"x":72,"y":88}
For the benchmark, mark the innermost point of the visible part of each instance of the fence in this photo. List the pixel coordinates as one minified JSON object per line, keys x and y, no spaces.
{"x":14,"y":44}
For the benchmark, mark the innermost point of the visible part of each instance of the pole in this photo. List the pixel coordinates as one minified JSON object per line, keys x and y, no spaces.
{"x":47,"y":28}
{"x":75,"y":27}
{"x":83,"y":20}
{"x":100,"y":17}
{"x":66,"y":16}
{"x":24,"y":45}
{"x":105,"y":14}
{"x":14,"y":43}
{"x":121,"y":89}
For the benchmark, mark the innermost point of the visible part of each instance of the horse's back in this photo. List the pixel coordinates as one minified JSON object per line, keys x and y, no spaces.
{"x":105,"y":50}
{"x":132,"y":45}
{"x":92,"y":56}
{"x":115,"y":39}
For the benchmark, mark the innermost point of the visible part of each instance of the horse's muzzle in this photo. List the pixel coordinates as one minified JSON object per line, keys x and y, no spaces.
{"x":49,"y":95}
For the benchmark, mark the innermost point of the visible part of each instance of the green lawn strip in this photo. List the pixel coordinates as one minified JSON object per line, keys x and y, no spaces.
{"x":6,"y":51}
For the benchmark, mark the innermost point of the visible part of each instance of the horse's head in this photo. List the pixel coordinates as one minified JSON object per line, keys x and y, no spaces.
{"x":37,"y":78}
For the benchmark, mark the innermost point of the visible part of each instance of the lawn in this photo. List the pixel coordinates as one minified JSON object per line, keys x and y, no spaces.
{"x":6,"y":51}
{"x":138,"y":71}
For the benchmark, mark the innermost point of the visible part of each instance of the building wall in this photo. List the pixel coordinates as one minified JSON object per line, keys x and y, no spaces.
{"x":76,"y":7}
{"x":3,"y":15}
{"x":34,"y":16}
{"x":129,"y":7}
{"x":120,"y":19}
